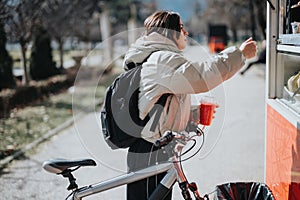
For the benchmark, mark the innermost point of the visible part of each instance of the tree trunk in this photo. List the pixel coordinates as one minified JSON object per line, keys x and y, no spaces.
{"x":105,"y":27}
{"x":61,"y":52}
{"x":234,"y":35}
{"x":6,"y":62}
{"x":261,"y":17}
{"x":234,"y":31}
{"x":132,"y":24}
{"x":25,"y":78}
{"x":252,"y":19}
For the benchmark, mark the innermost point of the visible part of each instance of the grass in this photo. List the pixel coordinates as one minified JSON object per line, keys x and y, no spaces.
{"x":23,"y":126}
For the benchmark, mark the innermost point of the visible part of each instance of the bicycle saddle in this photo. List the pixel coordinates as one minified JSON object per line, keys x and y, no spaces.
{"x":58,"y":166}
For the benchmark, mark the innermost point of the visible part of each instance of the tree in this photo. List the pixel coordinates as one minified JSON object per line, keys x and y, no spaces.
{"x":261,"y":11}
{"x":20,"y":19}
{"x":6,"y":74}
{"x":105,"y":27}
{"x":41,"y":62}
{"x":64,"y":18}
{"x":252,"y":14}
{"x":118,"y":14}
{"x":111,"y":14}
{"x":6,"y":62}
{"x":238,"y":15}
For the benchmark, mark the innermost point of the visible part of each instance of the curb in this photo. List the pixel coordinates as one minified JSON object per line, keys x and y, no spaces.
{"x":48,"y":135}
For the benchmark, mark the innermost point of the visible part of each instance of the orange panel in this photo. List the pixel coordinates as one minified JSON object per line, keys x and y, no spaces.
{"x":282,"y":157}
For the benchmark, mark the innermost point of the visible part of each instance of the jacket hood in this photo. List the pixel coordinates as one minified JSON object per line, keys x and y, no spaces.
{"x":145,"y":45}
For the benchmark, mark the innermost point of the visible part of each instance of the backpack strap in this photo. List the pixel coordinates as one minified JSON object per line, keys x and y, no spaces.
{"x":159,"y":105}
{"x":132,"y":65}
{"x":157,"y":110}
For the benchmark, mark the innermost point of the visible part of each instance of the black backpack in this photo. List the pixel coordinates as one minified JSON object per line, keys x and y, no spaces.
{"x":121,"y":124}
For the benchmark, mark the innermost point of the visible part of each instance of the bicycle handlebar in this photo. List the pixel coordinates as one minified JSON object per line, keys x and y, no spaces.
{"x":165,"y":139}
{"x":168,"y":136}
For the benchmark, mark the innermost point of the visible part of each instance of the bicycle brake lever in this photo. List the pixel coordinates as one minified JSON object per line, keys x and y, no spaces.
{"x":165,"y":139}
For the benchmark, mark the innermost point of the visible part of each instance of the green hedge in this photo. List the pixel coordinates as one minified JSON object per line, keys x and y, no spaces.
{"x":35,"y":91}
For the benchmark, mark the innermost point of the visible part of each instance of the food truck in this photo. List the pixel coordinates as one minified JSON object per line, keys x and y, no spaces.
{"x":282,"y":163}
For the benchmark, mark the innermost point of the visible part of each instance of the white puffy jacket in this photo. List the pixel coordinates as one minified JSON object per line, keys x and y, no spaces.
{"x":168,"y":71}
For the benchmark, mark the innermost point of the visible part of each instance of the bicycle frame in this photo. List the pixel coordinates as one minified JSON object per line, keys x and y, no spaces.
{"x":173,"y":168}
{"x":124,"y":179}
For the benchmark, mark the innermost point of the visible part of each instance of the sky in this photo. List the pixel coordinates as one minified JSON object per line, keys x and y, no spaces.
{"x":184,"y":7}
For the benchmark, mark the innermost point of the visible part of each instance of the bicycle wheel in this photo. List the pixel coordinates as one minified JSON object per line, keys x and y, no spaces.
{"x":243,"y":191}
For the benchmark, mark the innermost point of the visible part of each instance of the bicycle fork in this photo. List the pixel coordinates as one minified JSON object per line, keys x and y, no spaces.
{"x":168,"y":181}
{"x":184,"y":185}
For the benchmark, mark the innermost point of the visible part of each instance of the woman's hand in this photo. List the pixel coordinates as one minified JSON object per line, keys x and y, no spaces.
{"x":249,"y":48}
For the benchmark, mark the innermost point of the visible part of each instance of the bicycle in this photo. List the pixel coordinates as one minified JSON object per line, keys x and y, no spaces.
{"x":171,"y":141}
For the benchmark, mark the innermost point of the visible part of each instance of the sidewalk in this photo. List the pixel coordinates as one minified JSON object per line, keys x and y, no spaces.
{"x":237,"y":154}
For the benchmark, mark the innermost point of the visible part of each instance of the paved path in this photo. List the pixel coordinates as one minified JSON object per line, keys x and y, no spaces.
{"x":235,"y":152}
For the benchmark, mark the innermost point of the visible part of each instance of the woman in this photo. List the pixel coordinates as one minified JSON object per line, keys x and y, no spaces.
{"x":168,"y":71}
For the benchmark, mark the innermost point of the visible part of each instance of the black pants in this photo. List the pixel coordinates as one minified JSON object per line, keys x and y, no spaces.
{"x":140,"y":155}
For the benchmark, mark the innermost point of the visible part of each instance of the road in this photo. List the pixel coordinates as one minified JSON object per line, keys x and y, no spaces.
{"x":233,"y":149}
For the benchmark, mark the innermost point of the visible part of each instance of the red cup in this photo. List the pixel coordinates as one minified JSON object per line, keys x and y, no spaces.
{"x":207,"y":108}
